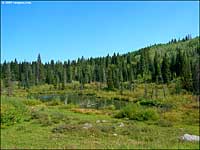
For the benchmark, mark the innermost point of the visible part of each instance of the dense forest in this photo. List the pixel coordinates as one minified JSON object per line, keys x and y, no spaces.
{"x":177,"y":61}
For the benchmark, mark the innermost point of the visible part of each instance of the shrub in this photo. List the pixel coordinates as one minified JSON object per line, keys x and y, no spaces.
{"x":64,"y":128}
{"x":107,"y":129}
{"x":164,"y":123}
{"x":56,"y":117}
{"x":148,"y":114}
{"x":136,"y":112}
{"x":13,"y":111}
{"x":167,"y":106}
{"x":110,"y":107}
{"x":149,"y":102}
{"x":127,"y":112}
{"x":68,"y":106}
{"x":54,"y":102}
{"x":35,"y":114}
{"x":21,"y":128}
{"x":31,"y":102}
{"x":44,"y":119}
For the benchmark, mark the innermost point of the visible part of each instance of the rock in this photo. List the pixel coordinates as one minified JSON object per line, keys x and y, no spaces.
{"x":87,"y":126}
{"x":121,"y":124}
{"x":98,"y":121}
{"x":188,"y":137}
{"x":103,"y":121}
{"x":115,"y":134}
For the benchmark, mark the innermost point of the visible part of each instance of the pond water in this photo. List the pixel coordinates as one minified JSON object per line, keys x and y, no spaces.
{"x":84,"y":101}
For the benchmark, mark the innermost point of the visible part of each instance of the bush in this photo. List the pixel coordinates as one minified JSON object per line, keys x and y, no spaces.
{"x":164,"y":123}
{"x":35,"y":114}
{"x":56,"y":117}
{"x":65,"y":128}
{"x":68,"y":106}
{"x":13,"y":111}
{"x":136,"y":112}
{"x":149,"y":102}
{"x":110,"y":107}
{"x":54,"y":102}
{"x":43,"y":118}
{"x":126,"y":112}
{"x":31,"y":102}
{"x":167,"y":106}
{"x":148,"y":114}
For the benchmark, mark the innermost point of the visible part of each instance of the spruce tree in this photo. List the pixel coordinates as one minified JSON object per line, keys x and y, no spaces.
{"x":186,"y":74}
{"x":157,"y":71}
{"x":110,"y":79}
{"x":165,"y":69}
{"x":8,"y":80}
{"x":64,"y":79}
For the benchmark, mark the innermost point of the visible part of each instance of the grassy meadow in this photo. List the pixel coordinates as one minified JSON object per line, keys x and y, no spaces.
{"x":146,"y":122}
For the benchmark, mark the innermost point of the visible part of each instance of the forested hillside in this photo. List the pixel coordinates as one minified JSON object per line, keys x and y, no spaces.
{"x":176,"y":61}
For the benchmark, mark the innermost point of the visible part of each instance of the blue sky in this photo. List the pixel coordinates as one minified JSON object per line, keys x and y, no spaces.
{"x":68,"y":30}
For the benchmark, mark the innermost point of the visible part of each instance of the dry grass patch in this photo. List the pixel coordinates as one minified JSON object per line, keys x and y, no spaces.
{"x":87,"y":111}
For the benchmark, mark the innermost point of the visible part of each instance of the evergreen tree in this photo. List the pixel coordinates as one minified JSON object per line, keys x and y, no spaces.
{"x":64,"y":79}
{"x":69,"y":74}
{"x":186,"y":75}
{"x":110,"y":79}
{"x":173,"y":67}
{"x":116,"y":76}
{"x":39,"y":71}
{"x":179,"y":62}
{"x":8,"y":80}
{"x":165,"y":69}
{"x":142,"y":64}
{"x":157,"y":72}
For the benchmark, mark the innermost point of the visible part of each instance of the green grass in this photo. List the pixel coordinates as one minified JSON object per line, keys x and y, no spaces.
{"x":30,"y":123}
{"x":134,"y":135}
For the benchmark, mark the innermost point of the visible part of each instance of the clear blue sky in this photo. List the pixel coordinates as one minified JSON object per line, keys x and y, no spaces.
{"x":68,"y":30}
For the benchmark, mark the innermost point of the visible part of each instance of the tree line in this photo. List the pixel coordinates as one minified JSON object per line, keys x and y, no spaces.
{"x":145,"y":66}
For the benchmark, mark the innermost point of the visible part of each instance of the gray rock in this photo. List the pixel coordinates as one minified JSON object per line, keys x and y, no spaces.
{"x":87,"y":126}
{"x":121,"y":124}
{"x":98,"y":121}
{"x":188,"y":137}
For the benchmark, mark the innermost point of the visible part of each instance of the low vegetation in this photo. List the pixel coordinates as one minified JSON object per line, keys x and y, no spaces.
{"x":143,"y":123}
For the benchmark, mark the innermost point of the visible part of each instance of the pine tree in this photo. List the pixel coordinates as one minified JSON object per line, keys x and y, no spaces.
{"x":8,"y":80}
{"x":39,"y":71}
{"x":121,"y":80}
{"x":110,"y":79}
{"x":104,"y":79}
{"x":142,"y":64}
{"x":64,"y":79}
{"x":179,"y":62}
{"x":157,"y":72}
{"x":165,"y":69}
{"x":15,"y":70}
{"x":27,"y":75}
{"x":69,"y":73}
{"x":186,"y":74}
{"x":124,"y":72}
{"x":116,"y":77}
{"x":173,"y":67}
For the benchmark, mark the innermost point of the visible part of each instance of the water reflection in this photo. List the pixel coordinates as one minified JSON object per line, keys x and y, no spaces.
{"x":83,"y":101}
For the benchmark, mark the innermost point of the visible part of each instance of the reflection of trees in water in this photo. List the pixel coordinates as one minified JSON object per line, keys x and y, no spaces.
{"x":84,"y":101}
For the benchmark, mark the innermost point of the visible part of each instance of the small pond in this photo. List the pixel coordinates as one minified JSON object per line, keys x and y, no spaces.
{"x":83,"y":101}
